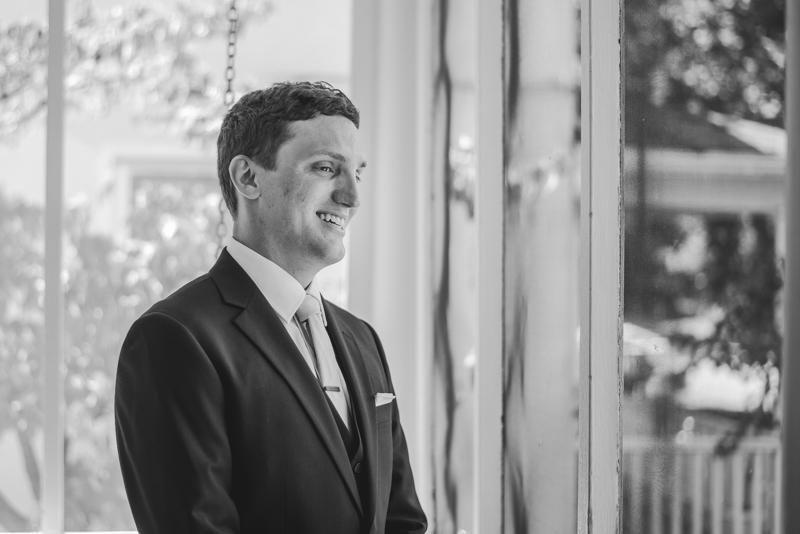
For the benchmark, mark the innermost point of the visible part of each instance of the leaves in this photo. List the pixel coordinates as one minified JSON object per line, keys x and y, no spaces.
{"x":709,"y":281}
{"x":142,"y":56}
{"x":108,"y":283}
{"x":719,"y":55}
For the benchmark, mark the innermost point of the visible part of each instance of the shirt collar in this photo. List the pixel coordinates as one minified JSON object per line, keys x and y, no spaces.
{"x":282,"y":290}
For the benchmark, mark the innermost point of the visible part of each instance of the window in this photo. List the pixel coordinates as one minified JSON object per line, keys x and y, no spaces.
{"x":141,"y":216}
{"x":563,"y":284}
{"x":704,"y":168}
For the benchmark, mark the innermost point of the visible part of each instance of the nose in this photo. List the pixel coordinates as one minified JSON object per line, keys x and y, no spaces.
{"x":346,"y":192}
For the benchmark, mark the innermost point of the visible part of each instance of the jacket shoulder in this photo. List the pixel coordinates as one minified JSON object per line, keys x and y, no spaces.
{"x":191,"y":301}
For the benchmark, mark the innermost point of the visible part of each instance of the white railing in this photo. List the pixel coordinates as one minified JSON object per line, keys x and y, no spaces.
{"x":686,"y":488}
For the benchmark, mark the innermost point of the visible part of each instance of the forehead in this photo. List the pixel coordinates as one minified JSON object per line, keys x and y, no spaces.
{"x":325,"y":133}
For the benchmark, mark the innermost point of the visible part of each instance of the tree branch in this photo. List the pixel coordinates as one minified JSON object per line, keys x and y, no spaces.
{"x":31,"y":467}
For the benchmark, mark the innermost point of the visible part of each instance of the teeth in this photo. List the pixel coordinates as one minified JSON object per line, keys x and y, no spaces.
{"x":327,"y":217}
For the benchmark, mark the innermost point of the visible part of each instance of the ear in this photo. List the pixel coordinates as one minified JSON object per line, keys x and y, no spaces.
{"x":242,"y":171}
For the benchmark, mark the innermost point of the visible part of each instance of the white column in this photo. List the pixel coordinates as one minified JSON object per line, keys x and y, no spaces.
{"x":389,"y":284}
{"x":790,"y":381}
{"x":489,"y":189}
{"x":53,"y":406}
{"x":365,"y":62}
{"x":599,"y":488}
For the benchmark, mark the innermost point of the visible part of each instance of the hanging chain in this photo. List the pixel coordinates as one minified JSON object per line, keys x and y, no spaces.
{"x":230,"y":71}
{"x":230,"y":74}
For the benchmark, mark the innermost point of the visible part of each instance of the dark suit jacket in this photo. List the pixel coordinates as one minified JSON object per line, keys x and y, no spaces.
{"x":222,"y":427}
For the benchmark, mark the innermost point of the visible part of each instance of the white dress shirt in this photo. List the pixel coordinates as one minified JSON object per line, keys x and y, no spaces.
{"x":285,"y":294}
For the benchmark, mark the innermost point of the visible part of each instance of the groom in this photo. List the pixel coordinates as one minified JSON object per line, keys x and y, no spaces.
{"x":245,"y":402}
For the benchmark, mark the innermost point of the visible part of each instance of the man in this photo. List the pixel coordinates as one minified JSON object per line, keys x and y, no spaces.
{"x":245,"y":402}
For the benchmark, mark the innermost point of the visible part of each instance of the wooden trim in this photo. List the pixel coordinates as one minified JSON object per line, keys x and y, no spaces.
{"x":790,"y":379}
{"x":423,"y":470}
{"x":489,"y":205}
{"x":584,"y":268}
{"x":600,"y":441}
{"x":53,"y":404}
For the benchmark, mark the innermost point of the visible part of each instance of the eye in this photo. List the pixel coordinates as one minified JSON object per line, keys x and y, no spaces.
{"x":325,"y":168}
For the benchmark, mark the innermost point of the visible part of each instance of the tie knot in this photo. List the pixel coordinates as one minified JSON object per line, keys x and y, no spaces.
{"x":309,"y":307}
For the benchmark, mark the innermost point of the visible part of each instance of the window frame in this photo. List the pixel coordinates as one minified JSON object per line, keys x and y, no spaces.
{"x":790,"y":423}
{"x":52,"y":519}
{"x":601,"y":268}
{"x":489,"y":218}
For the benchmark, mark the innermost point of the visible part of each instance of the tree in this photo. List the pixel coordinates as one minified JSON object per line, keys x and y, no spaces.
{"x":719,"y":55}
{"x":696,"y":56}
{"x":108,"y":284}
{"x":143,"y":53}
{"x":142,"y":56}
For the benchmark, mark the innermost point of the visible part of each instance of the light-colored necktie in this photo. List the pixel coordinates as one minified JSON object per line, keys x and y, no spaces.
{"x":310,"y":312}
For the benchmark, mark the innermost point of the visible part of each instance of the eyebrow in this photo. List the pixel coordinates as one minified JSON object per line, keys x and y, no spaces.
{"x":336,"y":156}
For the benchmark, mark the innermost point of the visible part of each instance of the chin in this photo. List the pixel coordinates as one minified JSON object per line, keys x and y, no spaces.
{"x":337,"y":257}
{"x":331,"y":255}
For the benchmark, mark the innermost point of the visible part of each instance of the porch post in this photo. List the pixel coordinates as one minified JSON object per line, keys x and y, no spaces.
{"x":388,"y":270}
{"x":600,"y":440}
{"x":489,"y":195}
{"x":790,"y":383}
{"x":53,"y":405}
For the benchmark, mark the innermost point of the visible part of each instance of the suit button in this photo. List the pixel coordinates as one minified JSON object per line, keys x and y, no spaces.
{"x":357,"y":468}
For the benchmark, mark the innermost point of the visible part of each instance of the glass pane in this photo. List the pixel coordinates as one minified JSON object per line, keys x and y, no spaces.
{"x":542,"y":226}
{"x":455,"y":261}
{"x":143,"y":203}
{"x":704,"y":167}
{"x":23,"y":69}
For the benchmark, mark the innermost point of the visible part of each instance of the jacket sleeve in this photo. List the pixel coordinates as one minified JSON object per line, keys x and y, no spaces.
{"x":170,"y":424}
{"x":405,"y":514}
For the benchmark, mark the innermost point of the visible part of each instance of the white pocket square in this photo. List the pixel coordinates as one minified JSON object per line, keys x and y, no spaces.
{"x":383,"y":398}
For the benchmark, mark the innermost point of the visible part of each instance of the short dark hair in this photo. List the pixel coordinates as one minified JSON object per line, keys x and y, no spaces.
{"x":258,"y":124}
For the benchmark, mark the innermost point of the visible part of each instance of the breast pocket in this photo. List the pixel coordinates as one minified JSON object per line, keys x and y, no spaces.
{"x":383,"y":413}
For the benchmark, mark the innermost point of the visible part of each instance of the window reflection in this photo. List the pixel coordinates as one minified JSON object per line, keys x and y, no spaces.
{"x":703,"y":168}
{"x":454,"y":265}
{"x":541,"y":266}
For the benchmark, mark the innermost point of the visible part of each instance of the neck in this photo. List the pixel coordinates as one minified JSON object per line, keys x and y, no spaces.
{"x":304,"y":275}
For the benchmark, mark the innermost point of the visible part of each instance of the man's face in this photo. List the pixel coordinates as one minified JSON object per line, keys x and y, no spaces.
{"x":311,"y":196}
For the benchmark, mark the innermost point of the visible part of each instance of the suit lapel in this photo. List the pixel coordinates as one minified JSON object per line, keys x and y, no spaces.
{"x":355,"y":372}
{"x":259,"y":322}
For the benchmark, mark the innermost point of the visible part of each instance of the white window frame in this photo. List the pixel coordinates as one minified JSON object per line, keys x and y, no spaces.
{"x":600,"y":442}
{"x":600,"y":439}
{"x":790,"y":421}
{"x":489,"y":217}
{"x":52,"y":510}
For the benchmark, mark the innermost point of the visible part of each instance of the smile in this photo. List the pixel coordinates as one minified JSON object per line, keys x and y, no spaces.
{"x":332,"y":219}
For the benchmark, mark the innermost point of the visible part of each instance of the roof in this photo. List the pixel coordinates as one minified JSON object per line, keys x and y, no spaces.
{"x":671,"y":127}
